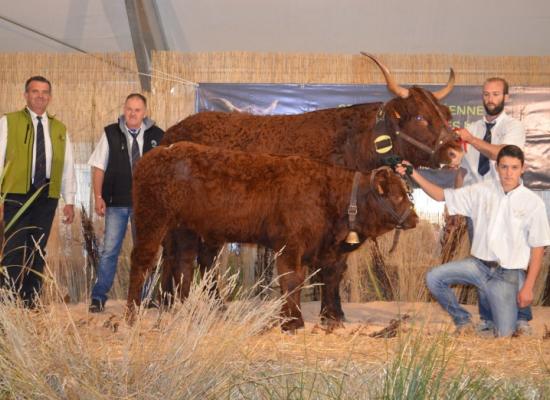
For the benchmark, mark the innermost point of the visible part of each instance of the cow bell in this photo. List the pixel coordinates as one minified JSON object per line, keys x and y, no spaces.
{"x":352,"y":238}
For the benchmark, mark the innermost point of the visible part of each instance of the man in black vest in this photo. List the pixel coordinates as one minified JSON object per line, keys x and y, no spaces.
{"x":112,"y":162}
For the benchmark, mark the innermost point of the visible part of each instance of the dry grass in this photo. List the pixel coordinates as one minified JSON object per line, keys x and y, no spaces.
{"x":198,"y":351}
{"x":50,"y":353}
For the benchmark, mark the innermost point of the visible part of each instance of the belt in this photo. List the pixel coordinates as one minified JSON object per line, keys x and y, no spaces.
{"x":489,"y":264}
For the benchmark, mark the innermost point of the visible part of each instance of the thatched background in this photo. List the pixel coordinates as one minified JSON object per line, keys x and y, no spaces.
{"x":89,"y":90}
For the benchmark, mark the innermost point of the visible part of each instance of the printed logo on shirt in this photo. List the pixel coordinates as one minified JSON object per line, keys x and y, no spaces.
{"x":519,"y":213}
{"x":154,"y":143}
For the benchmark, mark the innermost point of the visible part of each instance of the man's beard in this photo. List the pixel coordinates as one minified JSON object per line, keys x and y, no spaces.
{"x":495,"y":111}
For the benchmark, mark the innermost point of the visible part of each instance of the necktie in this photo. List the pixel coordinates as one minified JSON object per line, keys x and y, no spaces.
{"x":40,"y":161}
{"x":483,"y":166}
{"x":134,"y":151}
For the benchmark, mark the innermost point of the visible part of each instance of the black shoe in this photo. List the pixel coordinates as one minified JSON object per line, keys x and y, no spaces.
{"x":96,"y":306}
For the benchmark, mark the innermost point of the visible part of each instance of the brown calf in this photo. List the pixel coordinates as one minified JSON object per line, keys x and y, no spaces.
{"x":234,"y":196}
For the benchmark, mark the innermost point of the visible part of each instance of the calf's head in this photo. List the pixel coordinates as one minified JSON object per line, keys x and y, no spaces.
{"x":386,"y":204}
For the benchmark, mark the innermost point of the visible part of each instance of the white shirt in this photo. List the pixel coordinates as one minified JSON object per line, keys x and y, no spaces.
{"x":68,"y":179}
{"x":506,"y":225}
{"x":507,"y":130}
{"x":100,"y":156}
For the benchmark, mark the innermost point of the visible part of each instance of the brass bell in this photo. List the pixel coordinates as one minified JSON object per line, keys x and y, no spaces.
{"x":352,"y":238}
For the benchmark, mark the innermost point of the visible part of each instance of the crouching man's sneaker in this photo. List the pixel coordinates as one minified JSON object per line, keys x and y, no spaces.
{"x":485,"y":328}
{"x":96,"y":306}
{"x":523,"y":328}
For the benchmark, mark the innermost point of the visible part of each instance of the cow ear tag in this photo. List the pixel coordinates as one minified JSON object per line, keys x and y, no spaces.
{"x":383,"y":144}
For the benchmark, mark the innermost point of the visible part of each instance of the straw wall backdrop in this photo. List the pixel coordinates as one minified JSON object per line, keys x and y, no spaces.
{"x":89,"y":90}
{"x":348,"y":68}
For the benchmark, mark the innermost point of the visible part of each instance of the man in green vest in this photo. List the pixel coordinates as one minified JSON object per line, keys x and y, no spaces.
{"x":35,"y":156}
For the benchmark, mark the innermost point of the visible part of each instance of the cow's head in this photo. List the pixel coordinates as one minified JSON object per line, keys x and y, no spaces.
{"x":387,"y":203}
{"x":419,"y":124}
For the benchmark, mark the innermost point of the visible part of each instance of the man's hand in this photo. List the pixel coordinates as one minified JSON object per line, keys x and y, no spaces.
{"x":404,"y":168}
{"x":68,"y":214}
{"x":525,"y":297}
{"x":456,"y":157}
{"x":464,"y":135}
{"x":100,"y":206}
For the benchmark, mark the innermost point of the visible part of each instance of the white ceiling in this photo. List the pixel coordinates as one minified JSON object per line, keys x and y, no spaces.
{"x":485,"y":27}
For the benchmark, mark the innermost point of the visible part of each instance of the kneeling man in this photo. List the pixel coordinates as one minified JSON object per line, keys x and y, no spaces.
{"x":510,"y":233}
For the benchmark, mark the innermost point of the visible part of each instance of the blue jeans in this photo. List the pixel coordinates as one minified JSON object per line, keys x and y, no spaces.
{"x":499,"y":286}
{"x":524,"y":314}
{"x":116,"y":223}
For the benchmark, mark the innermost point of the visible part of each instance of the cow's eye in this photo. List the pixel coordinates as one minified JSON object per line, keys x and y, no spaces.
{"x":419,"y":118}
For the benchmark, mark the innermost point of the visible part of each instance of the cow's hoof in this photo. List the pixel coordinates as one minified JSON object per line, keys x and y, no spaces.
{"x":331,"y":324}
{"x":328,"y":320}
{"x":293,"y":325}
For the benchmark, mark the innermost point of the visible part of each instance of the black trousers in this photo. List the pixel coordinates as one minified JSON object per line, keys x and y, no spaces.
{"x":22,"y":264}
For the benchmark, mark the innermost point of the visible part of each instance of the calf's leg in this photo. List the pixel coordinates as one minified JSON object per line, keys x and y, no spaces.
{"x":292,"y":275}
{"x":206,"y":259}
{"x":180,"y":251}
{"x":148,"y":240}
{"x":331,"y":304}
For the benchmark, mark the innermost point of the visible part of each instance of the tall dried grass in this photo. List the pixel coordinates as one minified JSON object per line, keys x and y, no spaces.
{"x":416,"y":252}
{"x":199,"y":351}
{"x":188,"y":353}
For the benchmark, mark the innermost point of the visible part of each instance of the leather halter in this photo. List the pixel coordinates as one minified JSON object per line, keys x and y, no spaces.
{"x":446,"y":132}
{"x":381,"y":200}
{"x":399,"y":219}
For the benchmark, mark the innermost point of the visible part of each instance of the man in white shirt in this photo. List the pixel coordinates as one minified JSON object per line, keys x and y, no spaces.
{"x":112,"y":162}
{"x":487,"y":136}
{"x":484,"y":139}
{"x":510,"y":233}
{"x":36,"y":158}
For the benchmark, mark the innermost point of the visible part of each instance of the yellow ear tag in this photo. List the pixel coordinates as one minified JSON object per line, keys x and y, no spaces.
{"x":383,"y":144}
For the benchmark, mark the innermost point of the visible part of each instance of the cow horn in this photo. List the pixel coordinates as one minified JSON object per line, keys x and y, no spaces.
{"x":390,"y":82}
{"x":442,"y":93}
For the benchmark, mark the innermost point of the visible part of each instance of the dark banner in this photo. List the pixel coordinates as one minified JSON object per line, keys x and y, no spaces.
{"x":530,"y":105}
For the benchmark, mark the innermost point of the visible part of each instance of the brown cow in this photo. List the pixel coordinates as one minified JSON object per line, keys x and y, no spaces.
{"x":235,"y":196}
{"x":415,"y":120}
